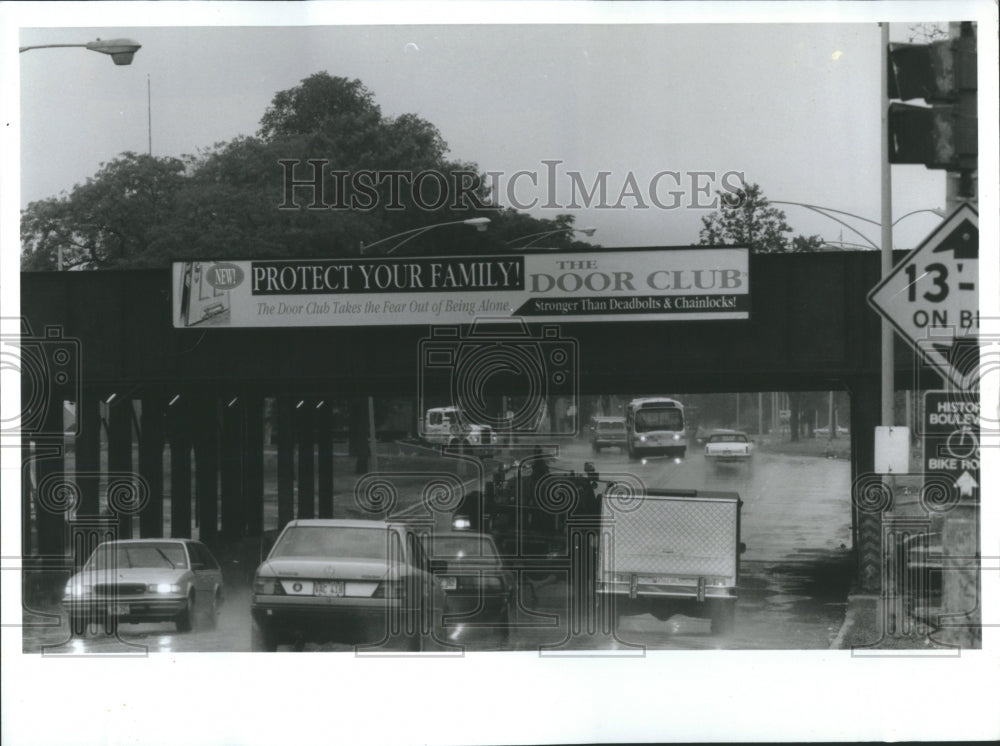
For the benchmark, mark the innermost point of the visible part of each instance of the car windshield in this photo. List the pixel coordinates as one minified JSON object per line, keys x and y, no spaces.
{"x":610,"y":425}
{"x":728,"y":438}
{"x":332,"y":541}
{"x":659,"y":419}
{"x":128,"y":556}
{"x":463,"y":547}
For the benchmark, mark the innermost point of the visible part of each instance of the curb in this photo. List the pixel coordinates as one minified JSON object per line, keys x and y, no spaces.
{"x":852,"y":618}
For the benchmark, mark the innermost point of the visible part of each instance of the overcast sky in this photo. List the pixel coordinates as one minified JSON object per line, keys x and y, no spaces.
{"x":794,"y":107}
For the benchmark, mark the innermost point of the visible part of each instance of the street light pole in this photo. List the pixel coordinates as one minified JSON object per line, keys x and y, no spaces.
{"x":121,"y":50}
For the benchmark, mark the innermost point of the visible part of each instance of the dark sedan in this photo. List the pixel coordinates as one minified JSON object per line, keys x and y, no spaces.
{"x":478,"y":589}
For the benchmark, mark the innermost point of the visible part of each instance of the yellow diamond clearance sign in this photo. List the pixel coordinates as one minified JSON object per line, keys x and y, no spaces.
{"x":682,"y":284}
{"x":932,"y":298}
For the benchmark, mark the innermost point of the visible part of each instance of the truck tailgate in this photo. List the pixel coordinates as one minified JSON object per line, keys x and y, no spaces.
{"x":672,"y":536}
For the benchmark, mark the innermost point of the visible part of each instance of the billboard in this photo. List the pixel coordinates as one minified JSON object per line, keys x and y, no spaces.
{"x":682,"y":284}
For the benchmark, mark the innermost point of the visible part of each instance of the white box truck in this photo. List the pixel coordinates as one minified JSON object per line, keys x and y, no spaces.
{"x":671,"y":551}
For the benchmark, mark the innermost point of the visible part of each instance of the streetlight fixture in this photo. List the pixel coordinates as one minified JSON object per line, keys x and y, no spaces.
{"x":542,"y":234}
{"x":121,"y":50}
{"x":480,"y":225}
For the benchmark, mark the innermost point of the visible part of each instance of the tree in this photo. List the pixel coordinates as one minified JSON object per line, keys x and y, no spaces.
{"x":746,"y":219}
{"x":807,"y":243}
{"x":229,"y":201}
{"x":924,"y":33}
{"x":321,"y":103}
{"x":116,"y":219}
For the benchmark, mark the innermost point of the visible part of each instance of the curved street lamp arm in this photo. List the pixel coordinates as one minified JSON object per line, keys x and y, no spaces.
{"x":415,"y":231}
{"x":846,"y":225}
{"x":479,"y":223}
{"x":542,"y":234}
{"x":413,"y":234}
{"x":822,"y":211}
{"x":539,"y":238}
{"x":935,"y":211}
{"x":48,"y":46}
{"x":820,"y":207}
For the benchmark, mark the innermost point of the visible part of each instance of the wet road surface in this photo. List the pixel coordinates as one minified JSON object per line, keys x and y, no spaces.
{"x":795,"y":576}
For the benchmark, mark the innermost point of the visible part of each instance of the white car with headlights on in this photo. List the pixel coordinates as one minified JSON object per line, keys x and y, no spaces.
{"x":346,"y":581}
{"x":145,"y":580}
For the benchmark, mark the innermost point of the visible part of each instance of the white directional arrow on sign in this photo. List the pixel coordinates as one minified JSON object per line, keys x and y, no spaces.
{"x":966,"y":484}
{"x":932,"y":297}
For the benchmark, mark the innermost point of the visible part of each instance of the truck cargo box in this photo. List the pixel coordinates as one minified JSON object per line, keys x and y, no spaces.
{"x":666,"y":551}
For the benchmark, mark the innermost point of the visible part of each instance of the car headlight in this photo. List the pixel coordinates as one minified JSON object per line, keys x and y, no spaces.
{"x":677,"y":436}
{"x":164,"y":588}
{"x":76,"y":588}
{"x":642,"y":438}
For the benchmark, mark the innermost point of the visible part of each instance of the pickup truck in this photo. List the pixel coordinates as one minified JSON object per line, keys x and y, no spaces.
{"x":670,"y":551}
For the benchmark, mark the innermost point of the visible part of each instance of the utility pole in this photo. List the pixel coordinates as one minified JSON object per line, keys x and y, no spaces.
{"x":888,"y":358}
{"x":149,"y":114}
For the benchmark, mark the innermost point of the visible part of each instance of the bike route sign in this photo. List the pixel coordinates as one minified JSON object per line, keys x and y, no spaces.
{"x":932,"y":297}
{"x":951,"y":439}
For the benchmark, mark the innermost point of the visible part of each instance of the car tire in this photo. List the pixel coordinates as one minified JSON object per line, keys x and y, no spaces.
{"x":262,"y":639}
{"x":185,"y":620}
{"x":632,"y":455}
{"x":621,"y":610}
{"x":661,"y":610}
{"x":723,"y":617}
{"x":505,"y":632}
{"x":212,"y":612}
{"x":416,"y":643}
{"x":78,"y":626}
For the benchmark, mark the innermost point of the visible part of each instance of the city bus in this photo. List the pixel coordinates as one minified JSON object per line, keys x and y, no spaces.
{"x":655,"y":424}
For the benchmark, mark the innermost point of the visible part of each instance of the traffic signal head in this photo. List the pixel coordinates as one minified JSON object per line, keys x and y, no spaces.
{"x":936,"y":136}
{"x":943,"y":73}
{"x":935,"y":72}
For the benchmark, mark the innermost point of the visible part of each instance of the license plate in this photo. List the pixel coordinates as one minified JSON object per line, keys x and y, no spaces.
{"x":329,"y":588}
{"x":120,"y":609}
{"x":665,"y":580}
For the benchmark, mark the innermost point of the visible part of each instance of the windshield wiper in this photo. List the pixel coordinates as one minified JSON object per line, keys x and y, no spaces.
{"x":160,"y":552}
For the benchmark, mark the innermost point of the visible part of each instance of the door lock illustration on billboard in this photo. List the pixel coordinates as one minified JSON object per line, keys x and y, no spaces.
{"x":500,"y":375}
{"x":204,"y":292}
